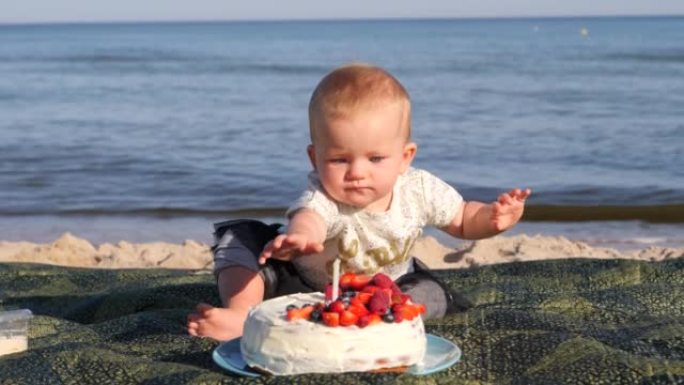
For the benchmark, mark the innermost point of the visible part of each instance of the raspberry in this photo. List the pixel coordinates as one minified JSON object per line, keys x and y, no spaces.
{"x":385,"y":282}
{"x":382,"y":280}
{"x":379,"y":302}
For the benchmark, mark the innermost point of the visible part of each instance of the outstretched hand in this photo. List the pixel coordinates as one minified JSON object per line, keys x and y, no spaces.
{"x":508,"y":209}
{"x":287,"y":246}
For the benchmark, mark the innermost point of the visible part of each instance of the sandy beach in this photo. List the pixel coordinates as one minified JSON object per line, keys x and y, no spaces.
{"x":71,"y":250}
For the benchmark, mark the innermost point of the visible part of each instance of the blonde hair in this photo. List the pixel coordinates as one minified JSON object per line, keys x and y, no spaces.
{"x":353,"y":87}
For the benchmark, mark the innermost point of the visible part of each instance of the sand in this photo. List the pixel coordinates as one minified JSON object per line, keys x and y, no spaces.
{"x":70,"y":250}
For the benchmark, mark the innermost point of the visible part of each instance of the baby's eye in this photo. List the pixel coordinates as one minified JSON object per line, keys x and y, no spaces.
{"x":337,"y":160}
{"x":376,"y":159}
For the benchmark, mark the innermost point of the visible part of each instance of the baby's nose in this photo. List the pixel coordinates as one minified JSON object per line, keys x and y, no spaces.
{"x":356,"y":170}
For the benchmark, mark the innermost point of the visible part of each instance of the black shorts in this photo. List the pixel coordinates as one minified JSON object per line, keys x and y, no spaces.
{"x":239,"y":243}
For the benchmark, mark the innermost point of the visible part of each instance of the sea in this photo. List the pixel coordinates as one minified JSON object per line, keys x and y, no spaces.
{"x":154,"y":131}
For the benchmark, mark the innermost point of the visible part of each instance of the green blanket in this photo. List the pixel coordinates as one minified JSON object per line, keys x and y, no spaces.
{"x":550,"y":322}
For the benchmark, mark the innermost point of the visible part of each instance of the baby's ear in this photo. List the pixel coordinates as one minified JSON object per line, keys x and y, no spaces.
{"x":311,"y":151}
{"x":408,"y":155}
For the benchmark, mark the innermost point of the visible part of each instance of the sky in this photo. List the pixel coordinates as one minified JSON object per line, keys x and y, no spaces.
{"x":40,"y":11}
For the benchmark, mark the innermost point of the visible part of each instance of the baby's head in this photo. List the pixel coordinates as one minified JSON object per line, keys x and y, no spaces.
{"x":356,"y":88}
{"x":360,"y":127}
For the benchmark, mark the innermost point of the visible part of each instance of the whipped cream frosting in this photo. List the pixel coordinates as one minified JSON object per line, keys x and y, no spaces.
{"x":272,"y":343}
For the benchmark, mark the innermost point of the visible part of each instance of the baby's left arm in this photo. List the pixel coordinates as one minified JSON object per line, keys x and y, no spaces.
{"x":477,"y":220}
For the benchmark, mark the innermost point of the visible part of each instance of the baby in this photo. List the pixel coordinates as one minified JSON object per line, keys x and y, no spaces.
{"x":365,"y":204}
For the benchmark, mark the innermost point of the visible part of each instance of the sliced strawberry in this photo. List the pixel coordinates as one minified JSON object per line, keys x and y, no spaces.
{"x":364,"y":297}
{"x":300,"y":313}
{"x":356,"y":302}
{"x":379,"y":302}
{"x":360,"y":281}
{"x":421,"y":308}
{"x":359,"y":310}
{"x":369,"y":319}
{"x":370,"y":289}
{"x":404,"y":312}
{"x":347,"y":318}
{"x":337,"y":306}
{"x":331,"y":318}
{"x":400,"y":298}
{"x":346,"y":280}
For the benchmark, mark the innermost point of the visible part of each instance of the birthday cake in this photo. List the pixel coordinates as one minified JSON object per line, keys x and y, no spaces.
{"x":370,"y":326}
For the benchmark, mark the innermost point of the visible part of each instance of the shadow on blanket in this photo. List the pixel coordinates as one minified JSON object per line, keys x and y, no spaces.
{"x":545,"y":322}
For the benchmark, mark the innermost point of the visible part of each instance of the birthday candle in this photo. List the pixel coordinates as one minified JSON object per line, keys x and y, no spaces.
{"x":336,"y":278}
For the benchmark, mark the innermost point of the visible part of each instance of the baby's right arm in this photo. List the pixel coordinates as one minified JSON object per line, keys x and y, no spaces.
{"x":306,"y":233}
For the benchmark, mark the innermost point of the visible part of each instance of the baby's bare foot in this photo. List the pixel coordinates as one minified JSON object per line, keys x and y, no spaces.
{"x":219,"y":323}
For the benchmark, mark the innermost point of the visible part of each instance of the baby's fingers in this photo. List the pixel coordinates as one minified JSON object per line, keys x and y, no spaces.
{"x":271,"y":247}
{"x":521,"y":194}
{"x":312,"y":247}
{"x":505,"y":198}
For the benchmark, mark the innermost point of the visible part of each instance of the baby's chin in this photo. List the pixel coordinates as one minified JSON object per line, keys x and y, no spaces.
{"x":369,"y":205}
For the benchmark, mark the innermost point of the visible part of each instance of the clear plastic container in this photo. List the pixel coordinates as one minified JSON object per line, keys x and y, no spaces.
{"x":14,"y":331}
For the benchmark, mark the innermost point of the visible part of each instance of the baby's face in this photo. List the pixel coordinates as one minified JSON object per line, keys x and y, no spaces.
{"x":359,"y":157}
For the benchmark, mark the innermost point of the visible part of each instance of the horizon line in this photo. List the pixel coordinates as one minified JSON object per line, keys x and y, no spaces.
{"x":332,"y":19}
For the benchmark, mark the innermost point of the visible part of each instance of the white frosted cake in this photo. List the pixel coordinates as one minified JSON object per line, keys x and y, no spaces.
{"x":277,"y":342}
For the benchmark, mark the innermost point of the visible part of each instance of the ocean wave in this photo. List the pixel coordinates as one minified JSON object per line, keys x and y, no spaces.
{"x":131,"y":64}
{"x":673,"y":213}
{"x":673,"y":56}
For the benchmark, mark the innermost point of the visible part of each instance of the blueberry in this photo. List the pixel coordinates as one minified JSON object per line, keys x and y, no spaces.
{"x":290,"y":307}
{"x":316,"y":315}
{"x":389,"y":318}
{"x":348,"y":294}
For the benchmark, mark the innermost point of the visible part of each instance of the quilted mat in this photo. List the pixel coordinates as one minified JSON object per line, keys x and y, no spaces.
{"x":572,"y":321}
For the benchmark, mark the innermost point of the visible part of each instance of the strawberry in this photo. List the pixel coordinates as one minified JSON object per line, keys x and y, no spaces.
{"x":379,"y":302}
{"x":368,"y":319}
{"x":363,"y":297}
{"x":299,"y":313}
{"x":356,"y":302}
{"x":360,"y":281}
{"x":400,"y":298}
{"x":331,"y":318}
{"x":397,"y":317}
{"x":346,"y":280}
{"x":336,"y":306}
{"x":404,"y":312}
{"x":359,"y":310}
{"x":421,"y":309}
{"x":347,"y":318}
{"x":370,"y":289}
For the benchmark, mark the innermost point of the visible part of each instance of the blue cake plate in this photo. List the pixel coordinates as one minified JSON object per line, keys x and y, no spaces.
{"x":440,"y":355}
